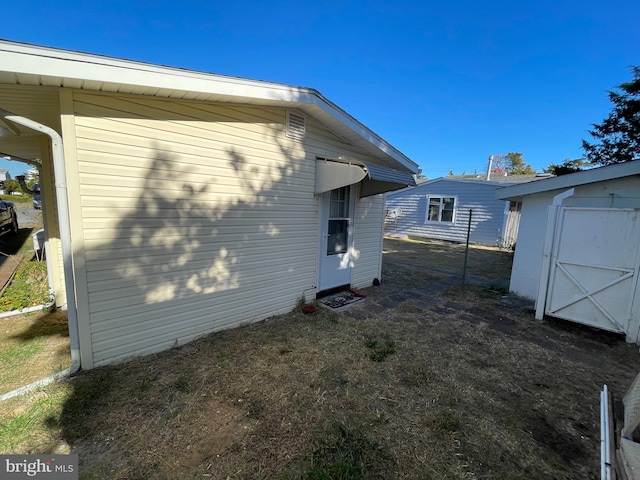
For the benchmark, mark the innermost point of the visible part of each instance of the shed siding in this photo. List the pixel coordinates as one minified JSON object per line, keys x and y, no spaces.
{"x":195,"y":218}
{"x":369,"y":226}
{"x":487,"y":219}
{"x":527,"y":260}
{"x":525,"y":274}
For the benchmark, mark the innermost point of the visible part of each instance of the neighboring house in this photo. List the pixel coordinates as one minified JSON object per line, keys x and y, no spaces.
{"x":31,"y":174}
{"x":439,"y":209}
{"x":180,"y":203}
{"x":578,"y":247}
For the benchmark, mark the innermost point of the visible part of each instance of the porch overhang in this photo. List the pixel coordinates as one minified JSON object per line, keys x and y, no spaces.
{"x":332,"y":174}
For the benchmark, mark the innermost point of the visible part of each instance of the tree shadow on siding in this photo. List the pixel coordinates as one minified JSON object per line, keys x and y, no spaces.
{"x":190,"y":255}
{"x":194,"y":255}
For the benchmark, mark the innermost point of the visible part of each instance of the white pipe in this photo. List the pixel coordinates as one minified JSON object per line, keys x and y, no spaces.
{"x":37,"y":384}
{"x":547,"y":251}
{"x":64,"y":224}
{"x":605,"y":441}
{"x":488,"y":176}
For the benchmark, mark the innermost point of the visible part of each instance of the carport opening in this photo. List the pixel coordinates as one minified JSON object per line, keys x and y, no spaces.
{"x":34,"y":338}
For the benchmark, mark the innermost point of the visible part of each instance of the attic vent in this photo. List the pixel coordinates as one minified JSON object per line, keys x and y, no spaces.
{"x":296,"y":126}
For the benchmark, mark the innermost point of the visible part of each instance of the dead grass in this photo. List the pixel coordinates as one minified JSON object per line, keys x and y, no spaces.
{"x":32,"y":346}
{"x":469,"y":388}
{"x":486,"y":262}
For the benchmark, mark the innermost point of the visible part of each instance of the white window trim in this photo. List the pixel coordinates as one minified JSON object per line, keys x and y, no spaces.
{"x":441,"y":222}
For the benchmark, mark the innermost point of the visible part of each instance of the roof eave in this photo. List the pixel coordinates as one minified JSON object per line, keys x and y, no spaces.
{"x":35,"y":65}
{"x":571,"y":180}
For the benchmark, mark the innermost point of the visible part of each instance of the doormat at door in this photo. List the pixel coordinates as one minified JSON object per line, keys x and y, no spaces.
{"x":341,"y":299}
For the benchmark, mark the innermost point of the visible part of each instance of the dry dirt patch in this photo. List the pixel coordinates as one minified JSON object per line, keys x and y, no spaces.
{"x":423,"y":380}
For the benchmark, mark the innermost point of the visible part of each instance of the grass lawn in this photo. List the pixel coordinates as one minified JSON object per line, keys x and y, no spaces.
{"x":422,"y":380}
{"x":32,"y":346}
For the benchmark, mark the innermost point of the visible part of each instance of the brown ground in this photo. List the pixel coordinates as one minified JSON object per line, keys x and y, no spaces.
{"x":423,"y":380}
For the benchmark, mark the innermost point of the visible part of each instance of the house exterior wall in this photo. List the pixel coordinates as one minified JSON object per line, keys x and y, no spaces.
{"x":526,"y":271}
{"x":487,"y":221}
{"x":368,"y":230}
{"x":189,"y":217}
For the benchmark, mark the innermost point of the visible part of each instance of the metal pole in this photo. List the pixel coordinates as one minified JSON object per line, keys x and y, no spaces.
{"x":466,"y":250}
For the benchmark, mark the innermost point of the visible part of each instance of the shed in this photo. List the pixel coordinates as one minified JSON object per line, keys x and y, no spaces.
{"x":439,"y":209}
{"x":178,"y":203}
{"x":578,"y":247}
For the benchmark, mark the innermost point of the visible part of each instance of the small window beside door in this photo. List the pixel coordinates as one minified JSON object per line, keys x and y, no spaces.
{"x":338,"y":232}
{"x":440,"y":209}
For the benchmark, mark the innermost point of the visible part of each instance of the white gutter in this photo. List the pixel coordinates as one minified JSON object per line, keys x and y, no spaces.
{"x":547,"y":251}
{"x":65,"y":230}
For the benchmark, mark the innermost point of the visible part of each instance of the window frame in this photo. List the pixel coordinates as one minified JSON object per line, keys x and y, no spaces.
{"x":441,"y":199}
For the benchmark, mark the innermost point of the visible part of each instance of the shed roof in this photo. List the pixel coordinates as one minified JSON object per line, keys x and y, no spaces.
{"x":24,"y":64}
{"x":594,"y":175}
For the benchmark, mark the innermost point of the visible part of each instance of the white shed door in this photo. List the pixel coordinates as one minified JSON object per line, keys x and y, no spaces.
{"x":593,"y":278}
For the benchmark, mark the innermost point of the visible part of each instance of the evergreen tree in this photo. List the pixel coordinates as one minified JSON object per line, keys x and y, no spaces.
{"x":618,"y":135}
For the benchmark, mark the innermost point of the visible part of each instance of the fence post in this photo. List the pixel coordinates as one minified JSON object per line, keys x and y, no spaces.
{"x":466,"y":250}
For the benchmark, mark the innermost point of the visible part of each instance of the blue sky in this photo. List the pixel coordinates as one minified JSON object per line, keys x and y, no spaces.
{"x":447,"y":83}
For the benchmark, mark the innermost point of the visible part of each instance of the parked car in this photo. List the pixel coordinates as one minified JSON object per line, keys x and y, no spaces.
{"x":37,"y":202}
{"x":8,"y":218}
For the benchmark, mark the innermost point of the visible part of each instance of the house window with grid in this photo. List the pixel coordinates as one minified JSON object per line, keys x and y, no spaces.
{"x":440,"y":209}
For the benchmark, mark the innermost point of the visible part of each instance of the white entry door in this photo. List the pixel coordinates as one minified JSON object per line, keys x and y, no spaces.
{"x":336,"y":237}
{"x":593,"y":278}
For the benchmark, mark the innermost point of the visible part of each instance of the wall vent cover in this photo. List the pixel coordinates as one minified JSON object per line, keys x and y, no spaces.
{"x":296,"y":126}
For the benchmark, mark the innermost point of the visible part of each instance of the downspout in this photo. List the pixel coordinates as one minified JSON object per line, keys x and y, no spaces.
{"x":547,"y":251}
{"x":65,"y":231}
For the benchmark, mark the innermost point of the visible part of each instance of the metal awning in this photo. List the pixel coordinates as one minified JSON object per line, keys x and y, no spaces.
{"x":331,"y":174}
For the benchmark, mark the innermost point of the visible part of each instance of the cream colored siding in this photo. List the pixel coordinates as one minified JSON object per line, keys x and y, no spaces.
{"x":55,"y":262}
{"x":369,"y":214}
{"x":369,"y":224}
{"x":195,"y":217}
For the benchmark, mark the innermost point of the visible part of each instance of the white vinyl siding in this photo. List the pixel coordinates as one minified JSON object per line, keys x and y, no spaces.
{"x":527,"y":260}
{"x":195,"y":217}
{"x":369,"y":226}
{"x":488,"y":218}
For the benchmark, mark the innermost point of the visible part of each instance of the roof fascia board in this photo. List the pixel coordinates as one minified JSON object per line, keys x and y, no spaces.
{"x":343,"y":117}
{"x":133,"y":74}
{"x":571,"y":180}
{"x":61,"y":64}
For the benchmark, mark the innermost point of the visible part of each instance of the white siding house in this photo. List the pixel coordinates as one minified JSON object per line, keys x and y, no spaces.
{"x":185,"y":203}
{"x":439,"y":209}
{"x":578,"y":247}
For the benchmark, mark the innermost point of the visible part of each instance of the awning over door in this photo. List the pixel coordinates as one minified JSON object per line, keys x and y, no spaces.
{"x":375,"y":179}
